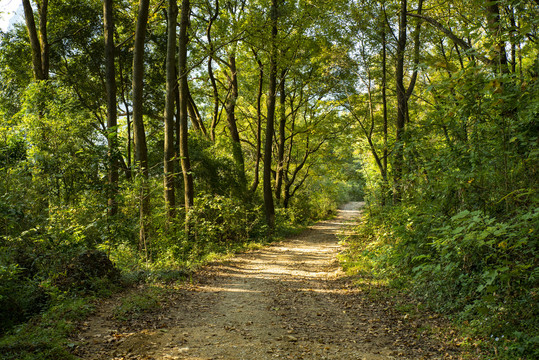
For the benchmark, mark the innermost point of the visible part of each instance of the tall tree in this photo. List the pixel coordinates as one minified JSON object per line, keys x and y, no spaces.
{"x":110,"y":81}
{"x":211,"y":49}
{"x":279,"y":173}
{"x":139,"y":135}
{"x":401,"y":105}
{"x":230,"y":108}
{"x":384,"y":101}
{"x":258,"y":149}
{"x":499,"y":55}
{"x":38,"y":42}
{"x":184,"y":98}
{"x":270,"y":120}
{"x":172,"y":83}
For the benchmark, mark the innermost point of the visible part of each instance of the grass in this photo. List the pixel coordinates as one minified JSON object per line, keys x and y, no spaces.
{"x":46,"y":337}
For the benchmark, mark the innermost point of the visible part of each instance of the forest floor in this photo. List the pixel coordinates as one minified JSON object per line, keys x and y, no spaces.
{"x":290,"y":300}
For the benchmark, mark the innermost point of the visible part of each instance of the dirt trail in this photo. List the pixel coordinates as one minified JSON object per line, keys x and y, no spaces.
{"x":287,"y":301}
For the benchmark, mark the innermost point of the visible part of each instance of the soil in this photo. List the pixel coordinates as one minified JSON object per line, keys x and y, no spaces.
{"x":290,"y":300}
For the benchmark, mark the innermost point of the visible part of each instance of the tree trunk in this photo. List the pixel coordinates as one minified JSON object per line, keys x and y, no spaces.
{"x":259,"y":122}
{"x":493,"y":19}
{"x":401,"y":106}
{"x":282,"y":136}
{"x":196,"y":119}
{"x":35,"y":43}
{"x":385,"y":185}
{"x":169,"y":148}
{"x":184,"y":98}
{"x":112,"y":122}
{"x":139,"y":136}
{"x":215,"y":92}
{"x":43,"y":9}
{"x":124,"y":82}
{"x":417,"y":43}
{"x":232,"y":98}
{"x":268,"y":193}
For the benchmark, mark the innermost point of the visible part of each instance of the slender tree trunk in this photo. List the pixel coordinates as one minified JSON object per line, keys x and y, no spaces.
{"x":177,"y":124}
{"x":184,"y":98}
{"x":513,"y":40}
{"x":232,"y":98}
{"x":139,"y":136}
{"x":493,"y":19}
{"x":215,"y":92}
{"x":287,"y":181}
{"x":401,"y":106}
{"x":417,"y":44}
{"x":124,"y":82}
{"x":268,"y":193}
{"x":43,"y":10}
{"x":258,"y":122}
{"x":196,"y":119}
{"x":282,"y":136}
{"x":112,"y":122}
{"x":385,"y":184}
{"x":169,"y":148}
{"x":37,"y":60}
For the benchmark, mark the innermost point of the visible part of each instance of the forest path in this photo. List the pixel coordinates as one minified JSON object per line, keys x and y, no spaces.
{"x":289,"y":300}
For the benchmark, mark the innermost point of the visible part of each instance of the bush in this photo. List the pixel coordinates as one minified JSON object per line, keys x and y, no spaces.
{"x":480,"y":269}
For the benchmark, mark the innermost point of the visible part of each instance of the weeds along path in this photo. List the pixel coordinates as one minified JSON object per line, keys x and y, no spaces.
{"x":287,"y":301}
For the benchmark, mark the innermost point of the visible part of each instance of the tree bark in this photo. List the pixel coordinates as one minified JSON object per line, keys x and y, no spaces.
{"x":268,"y":193}
{"x":401,"y":106}
{"x":258,"y":121}
{"x":184,"y":98}
{"x":499,"y":54}
{"x":43,"y":10}
{"x":215,"y":92}
{"x":112,"y":113}
{"x":169,"y":148}
{"x":37,"y":60}
{"x":124,"y":82}
{"x":230,"y":107}
{"x":282,"y":136}
{"x":196,"y":119}
{"x":417,"y":44}
{"x":139,"y":136}
{"x":385,"y":185}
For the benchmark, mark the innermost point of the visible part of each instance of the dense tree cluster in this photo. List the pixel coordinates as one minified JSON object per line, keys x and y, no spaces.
{"x":110,"y":110}
{"x":456,"y":168}
{"x":266,"y":112}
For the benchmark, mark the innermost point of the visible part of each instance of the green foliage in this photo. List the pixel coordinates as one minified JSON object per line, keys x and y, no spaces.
{"x":218,"y":224}
{"x":46,"y":336}
{"x":214,"y":169}
{"x":479,"y":269}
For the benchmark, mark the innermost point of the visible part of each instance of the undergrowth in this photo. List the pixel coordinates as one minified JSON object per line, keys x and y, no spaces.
{"x":50,"y":283}
{"x":477,"y":270}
